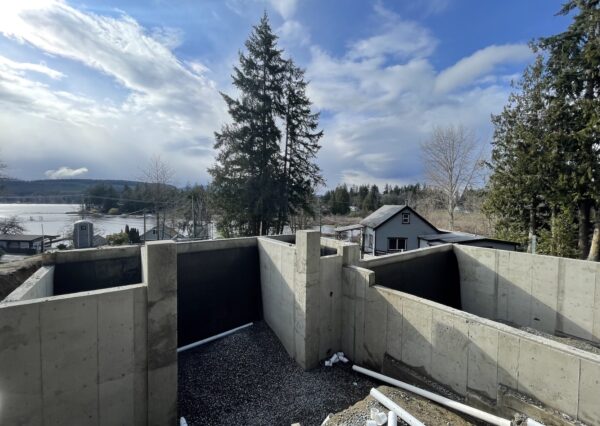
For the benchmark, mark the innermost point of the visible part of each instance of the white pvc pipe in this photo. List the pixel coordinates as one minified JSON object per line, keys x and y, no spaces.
{"x":531,"y":422}
{"x":210,"y":339}
{"x":463,"y":408}
{"x":392,"y":419}
{"x":391,"y":405}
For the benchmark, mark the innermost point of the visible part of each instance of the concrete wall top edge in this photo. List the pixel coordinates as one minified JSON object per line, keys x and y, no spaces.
{"x":82,"y":294}
{"x":499,"y":326}
{"x":273,"y":241}
{"x":360,"y":269}
{"x":18,"y":292}
{"x":218,"y":244}
{"x":83,"y":255}
{"x":466,"y":248}
{"x":407,"y":255}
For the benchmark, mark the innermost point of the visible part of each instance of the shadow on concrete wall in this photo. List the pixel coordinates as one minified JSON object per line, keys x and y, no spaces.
{"x":496,"y":298}
{"x":217,"y":290}
{"x":434,"y":276}
{"x":91,"y":275}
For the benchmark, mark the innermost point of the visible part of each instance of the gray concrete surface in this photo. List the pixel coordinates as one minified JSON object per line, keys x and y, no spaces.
{"x":40,"y":284}
{"x":84,"y":255}
{"x":469,"y":354}
{"x":71,"y":359}
{"x":550,"y":294}
{"x":302,"y":294}
{"x":159,"y":272}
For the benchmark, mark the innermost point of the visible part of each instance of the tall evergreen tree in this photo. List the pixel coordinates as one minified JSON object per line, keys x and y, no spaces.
{"x":518,"y":186}
{"x":265,"y":173}
{"x":574,"y":81}
{"x":246,"y":176}
{"x":300,"y":173}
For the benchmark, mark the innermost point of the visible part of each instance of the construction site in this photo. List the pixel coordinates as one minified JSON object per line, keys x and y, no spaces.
{"x":298,"y":329}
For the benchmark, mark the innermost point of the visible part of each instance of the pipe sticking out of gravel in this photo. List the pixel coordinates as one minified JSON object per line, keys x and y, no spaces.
{"x":391,"y":405}
{"x":463,"y":408}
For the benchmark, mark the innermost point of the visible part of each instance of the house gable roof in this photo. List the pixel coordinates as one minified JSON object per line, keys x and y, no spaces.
{"x":460,"y":237}
{"x":387,"y":212}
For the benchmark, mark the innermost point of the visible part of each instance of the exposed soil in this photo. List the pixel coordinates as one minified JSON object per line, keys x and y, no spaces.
{"x":424,"y":410}
{"x":13,"y":274}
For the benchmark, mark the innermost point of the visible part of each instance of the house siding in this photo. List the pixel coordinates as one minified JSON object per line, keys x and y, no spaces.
{"x":394,"y":228}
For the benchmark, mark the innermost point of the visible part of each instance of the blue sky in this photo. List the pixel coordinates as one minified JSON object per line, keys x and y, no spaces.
{"x":94,"y":88}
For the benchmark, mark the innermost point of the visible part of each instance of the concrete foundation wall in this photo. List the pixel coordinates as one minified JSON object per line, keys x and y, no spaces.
{"x":302,"y":294}
{"x":40,"y":284}
{"x":75,"y":359}
{"x":551,"y":294}
{"x":218,"y":287}
{"x":471,"y":355}
{"x":277,"y":275}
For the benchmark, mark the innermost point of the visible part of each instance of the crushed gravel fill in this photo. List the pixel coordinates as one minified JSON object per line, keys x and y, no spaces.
{"x":248,"y":378}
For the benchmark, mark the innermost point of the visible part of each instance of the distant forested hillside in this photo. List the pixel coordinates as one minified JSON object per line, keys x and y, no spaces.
{"x":53,"y":190}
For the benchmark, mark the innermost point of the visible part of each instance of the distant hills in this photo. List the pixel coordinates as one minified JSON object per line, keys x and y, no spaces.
{"x":53,"y":190}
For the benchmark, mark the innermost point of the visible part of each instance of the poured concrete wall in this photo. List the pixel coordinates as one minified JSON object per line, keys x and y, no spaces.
{"x":40,"y":284}
{"x":551,"y":294}
{"x":469,"y":354}
{"x":430,"y":273}
{"x":94,"y":269}
{"x":75,"y":359}
{"x":218,"y":287}
{"x":277,"y":272}
{"x":94,"y":357}
{"x":301,"y":294}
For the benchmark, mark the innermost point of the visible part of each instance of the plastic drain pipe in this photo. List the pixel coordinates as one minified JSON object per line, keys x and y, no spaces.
{"x":211,"y":338}
{"x":391,"y":405}
{"x":463,"y":408}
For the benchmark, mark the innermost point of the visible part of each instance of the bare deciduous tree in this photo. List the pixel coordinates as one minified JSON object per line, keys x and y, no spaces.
{"x":11,"y":226}
{"x":453,"y":162}
{"x":158,"y":177}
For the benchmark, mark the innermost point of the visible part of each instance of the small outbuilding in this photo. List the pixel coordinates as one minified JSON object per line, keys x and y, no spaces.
{"x":25,"y":244}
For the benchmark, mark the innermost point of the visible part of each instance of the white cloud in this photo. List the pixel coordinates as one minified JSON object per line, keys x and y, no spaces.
{"x":286,"y":8}
{"x":480,"y":63}
{"x":65,"y":172}
{"x":381,"y":98}
{"x":293,"y":32}
{"x":396,"y":37}
{"x":166,"y":100}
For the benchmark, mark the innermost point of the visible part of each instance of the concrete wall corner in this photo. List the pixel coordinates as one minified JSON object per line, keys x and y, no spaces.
{"x":159,"y":272}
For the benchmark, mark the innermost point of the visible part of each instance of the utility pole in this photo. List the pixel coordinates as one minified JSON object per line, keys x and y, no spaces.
{"x":193,"y":217}
{"x":144,"y":226}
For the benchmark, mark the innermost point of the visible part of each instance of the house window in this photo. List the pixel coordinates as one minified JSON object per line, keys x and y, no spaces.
{"x":396,"y":244}
{"x":370,"y":240}
{"x":405,"y":217}
{"x":83,"y":227}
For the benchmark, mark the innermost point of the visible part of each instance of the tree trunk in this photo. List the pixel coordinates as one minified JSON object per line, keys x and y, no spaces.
{"x":594,"y":254}
{"x":532,"y":227}
{"x":584,"y":228}
{"x":451,"y":214}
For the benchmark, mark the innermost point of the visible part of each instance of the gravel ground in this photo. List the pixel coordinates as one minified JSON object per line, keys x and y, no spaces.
{"x":424,"y":410}
{"x":249,"y":378}
{"x":571,"y":341}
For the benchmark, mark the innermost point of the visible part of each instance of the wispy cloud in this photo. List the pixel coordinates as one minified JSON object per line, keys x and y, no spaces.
{"x":383,"y":96}
{"x":480,"y":63}
{"x":166,"y":100}
{"x":65,"y":172}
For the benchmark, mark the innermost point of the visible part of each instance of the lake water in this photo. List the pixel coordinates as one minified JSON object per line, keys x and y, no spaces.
{"x":58,"y":219}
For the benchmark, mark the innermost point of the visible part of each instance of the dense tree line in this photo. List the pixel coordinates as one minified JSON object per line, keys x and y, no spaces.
{"x":545,"y":159}
{"x":265,"y":171}
{"x":364,"y":199}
